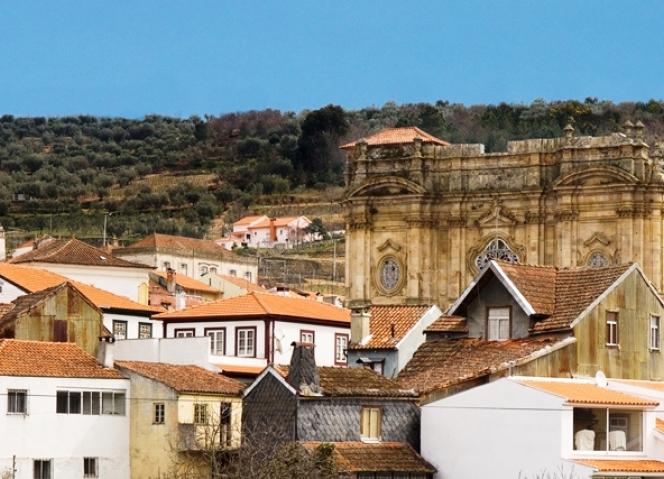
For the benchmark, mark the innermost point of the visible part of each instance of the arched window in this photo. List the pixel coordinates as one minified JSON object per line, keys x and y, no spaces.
{"x":496,"y":249}
{"x":597,"y":259}
{"x":204,"y":269}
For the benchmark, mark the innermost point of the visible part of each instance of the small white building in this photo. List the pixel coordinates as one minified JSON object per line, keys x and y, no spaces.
{"x":190,"y":257}
{"x":266,"y":232}
{"x":249,"y":332}
{"x":77,"y":260}
{"x":62,"y":415}
{"x":527,"y":427}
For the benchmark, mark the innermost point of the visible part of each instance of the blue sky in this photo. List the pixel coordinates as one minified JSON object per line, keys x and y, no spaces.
{"x":131,"y":58}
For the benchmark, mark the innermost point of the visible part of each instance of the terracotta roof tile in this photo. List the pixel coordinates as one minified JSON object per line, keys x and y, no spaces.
{"x":386,"y":457}
{"x":241,"y":283}
{"x":278,"y":222}
{"x":576,"y":392}
{"x":184,"y":378}
{"x":624,"y":465}
{"x":356,"y":382}
{"x":46,"y":359}
{"x":188,"y":283}
{"x":536,"y":283}
{"x":397,"y":136}
{"x":177,"y":243}
{"x":248,"y":220}
{"x":448,"y":324}
{"x":388,"y":324}
{"x":255,"y":304}
{"x":654,"y":385}
{"x":441,"y":363}
{"x":33,"y":280}
{"x":73,"y":251}
{"x":239,"y":369}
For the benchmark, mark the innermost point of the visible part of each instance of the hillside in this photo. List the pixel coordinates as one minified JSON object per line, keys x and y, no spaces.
{"x":190,"y":176}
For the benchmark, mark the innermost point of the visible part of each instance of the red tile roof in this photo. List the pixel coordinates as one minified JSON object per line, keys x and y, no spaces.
{"x":624,"y":465}
{"x":184,"y":378}
{"x":73,"y":251}
{"x":579,"y":393}
{"x":388,"y":324}
{"x":397,"y":136}
{"x":448,"y":324}
{"x":257,"y":305}
{"x":33,"y":280}
{"x":178,"y":243}
{"x":385,"y":457}
{"x":247,"y":220}
{"x":242,"y":283}
{"x":278,"y":222}
{"x":441,"y":363}
{"x":46,"y":359}
{"x":189,"y":283}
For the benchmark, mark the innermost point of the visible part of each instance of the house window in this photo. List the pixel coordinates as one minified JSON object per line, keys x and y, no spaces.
{"x":498,"y":324}
{"x":247,"y":276}
{"x":166,"y":265}
{"x":90,"y":402}
{"x":213,"y":270}
{"x":611,"y":328}
{"x":217,"y":341}
{"x":144,"y":330}
{"x":120,"y":329}
{"x":183,"y":268}
{"x":203,"y":269}
{"x":654,"y":332}
{"x":159,"y":413}
{"x":307,"y":336}
{"x":609,"y":430}
{"x":232,"y":272}
{"x":246,"y":342}
{"x":41,"y":469}
{"x":184,"y":333}
{"x":370,"y":425}
{"x":340,"y":348}
{"x":225,"y":423}
{"x":200,"y":413}
{"x":17,"y":401}
{"x":90,"y":467}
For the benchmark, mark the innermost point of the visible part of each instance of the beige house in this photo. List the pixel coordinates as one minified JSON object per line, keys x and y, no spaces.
{"x":230,"y":286}
{"x":180,"y":416}
{"x":424,"y":216}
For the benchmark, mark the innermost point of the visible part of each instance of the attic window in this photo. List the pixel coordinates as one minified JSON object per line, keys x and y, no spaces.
{"x":496,"y":249}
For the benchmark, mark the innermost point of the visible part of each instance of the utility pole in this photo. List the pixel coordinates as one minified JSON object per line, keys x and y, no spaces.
{"x":334,"y":260}
{"x":14,"y":466}
{"x":106,"y":215}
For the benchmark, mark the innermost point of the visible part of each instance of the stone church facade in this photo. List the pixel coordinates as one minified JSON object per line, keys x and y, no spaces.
{"x":424,"y":216}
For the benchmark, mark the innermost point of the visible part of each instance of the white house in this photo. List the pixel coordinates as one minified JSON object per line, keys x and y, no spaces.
{"x":251,"y":331}
{"x":529,"y":427}
{"x":62,"y":414}
{"x":267,"y":232}
{"x":127,"y":319}
{"x":190,"y":257}
{"x":82,"y":262}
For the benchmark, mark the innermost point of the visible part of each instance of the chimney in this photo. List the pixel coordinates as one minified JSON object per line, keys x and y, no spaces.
{"x":360,"y":321}
{"x":273,"y":229}
{"x":170,"y":281}
{"x":105,"y":351}
{"x":302,"y":373}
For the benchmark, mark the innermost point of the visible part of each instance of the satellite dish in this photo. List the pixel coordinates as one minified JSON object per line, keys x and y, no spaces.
{"x":600,"y":379}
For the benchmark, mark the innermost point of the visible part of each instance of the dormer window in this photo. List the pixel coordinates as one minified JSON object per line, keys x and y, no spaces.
{"x":608,"y":430}
{"x":498,"y":323}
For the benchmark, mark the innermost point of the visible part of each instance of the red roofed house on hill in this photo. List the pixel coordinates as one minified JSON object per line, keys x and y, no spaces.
{"x":251,"y":331}
{"x":267,"y":232}
{"x":63,"y":414}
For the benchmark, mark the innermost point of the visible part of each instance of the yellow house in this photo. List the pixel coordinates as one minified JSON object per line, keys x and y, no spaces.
{"x":181,"y":417}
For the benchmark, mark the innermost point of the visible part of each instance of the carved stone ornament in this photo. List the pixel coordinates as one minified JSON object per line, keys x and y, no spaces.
{"x":389,"y":244}
{"x":597,"y":237}
{"x":495,"y":247}
{"x":497,"y":214}
{"x":390,"y":275}
{"x":598,"y":259}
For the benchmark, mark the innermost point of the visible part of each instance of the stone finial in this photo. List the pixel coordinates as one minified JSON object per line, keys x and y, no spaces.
{"x":639,"y":130}
{"x":569,"y":130}
{"x":362,"y":145}
{"x":628,"y":126}
{"x":417,"y":143}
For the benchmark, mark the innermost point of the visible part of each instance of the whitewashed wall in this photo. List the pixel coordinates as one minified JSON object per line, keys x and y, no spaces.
{"x":285,"y":333}
{"x":414,"y":338}
{"x":162,"y":350}
{"x":199,"y":328}
{"x":121,"y":281}
{"x":64,"y":438}
{"x":9,"y":292}
{"x":132,"y":324}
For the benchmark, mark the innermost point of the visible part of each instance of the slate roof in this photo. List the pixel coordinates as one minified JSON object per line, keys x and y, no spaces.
{"x":47,"y":359}
{"x":33,"y":280}
{"x":356,"y":382}
{"x":395,"y":457}
{"x":397,"y":136}
{"x":624,"y":465}
{"x":448,"y":324}
{"x":557,"y":295}
{"x":578,"y":393}
{"x":74,"y":251}
{"x":388,"y":324}
{"x":441,"y":363}
{"x":184,"y":378}
{"x":257,"y":305}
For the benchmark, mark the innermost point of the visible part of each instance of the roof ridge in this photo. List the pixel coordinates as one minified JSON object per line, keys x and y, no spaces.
{"x":260,"y":303}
